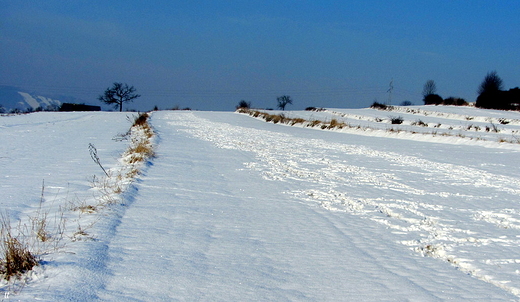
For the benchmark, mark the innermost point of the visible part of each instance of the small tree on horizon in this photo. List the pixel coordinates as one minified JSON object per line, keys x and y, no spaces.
{"x":491,"y":94}
{"x":243,"y":104}
{"x":429,"y":88}
{"x":119,"y":93}
{"x":491,"y":83}
{"x":283,"y":101}
{"x":430,"y":96}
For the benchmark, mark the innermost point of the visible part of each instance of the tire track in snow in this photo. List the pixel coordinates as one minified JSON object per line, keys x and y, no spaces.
{"x":389,"y":188}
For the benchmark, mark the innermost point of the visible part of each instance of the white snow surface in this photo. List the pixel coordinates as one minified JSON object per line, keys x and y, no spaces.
{"x":236,"y":209}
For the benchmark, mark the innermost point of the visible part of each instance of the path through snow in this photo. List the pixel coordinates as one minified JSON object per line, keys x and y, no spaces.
{"x":237,"y":209}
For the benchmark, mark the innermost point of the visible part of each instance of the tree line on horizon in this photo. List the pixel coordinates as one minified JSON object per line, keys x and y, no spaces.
{"x":491,"y":95}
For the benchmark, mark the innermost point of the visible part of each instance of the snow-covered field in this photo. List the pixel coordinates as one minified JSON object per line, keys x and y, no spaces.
{"x":236,"y":209}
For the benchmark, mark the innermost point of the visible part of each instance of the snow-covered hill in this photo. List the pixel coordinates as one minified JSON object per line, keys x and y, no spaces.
{"x":15,"y":99}
{"x":236,"y":209}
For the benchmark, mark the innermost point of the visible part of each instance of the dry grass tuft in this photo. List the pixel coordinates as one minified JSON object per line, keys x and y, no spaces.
{"x":141,"y":120}
{"x":295,"y":121}
{"x":17,"y":258}
{"x":141,"y":151}
{"x":419,"y":123}
{"x":335,"y":124}
{"x":314,"y":123}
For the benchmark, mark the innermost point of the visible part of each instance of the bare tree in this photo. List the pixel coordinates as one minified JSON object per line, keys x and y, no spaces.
{"x":429,"y":88}
{"x":119,"y":93}
{"x":491,"y":83}
{"x":283,"y":101}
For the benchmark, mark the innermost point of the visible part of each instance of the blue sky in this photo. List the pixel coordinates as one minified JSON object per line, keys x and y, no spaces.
{"x":209,"y":55}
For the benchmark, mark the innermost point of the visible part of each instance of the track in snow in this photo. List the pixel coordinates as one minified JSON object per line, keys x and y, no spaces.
{"x":388,"y":188}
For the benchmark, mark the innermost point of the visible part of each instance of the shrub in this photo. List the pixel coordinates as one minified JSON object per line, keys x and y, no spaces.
{"x":396,"y":120}
{"x":314,"y":109}
{"x":505,"y":100}
{"x":432,"y":99}
{"x":454,"y":101}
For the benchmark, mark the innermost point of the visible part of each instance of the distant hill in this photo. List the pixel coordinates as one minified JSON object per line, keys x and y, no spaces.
{"x":16,"y":99}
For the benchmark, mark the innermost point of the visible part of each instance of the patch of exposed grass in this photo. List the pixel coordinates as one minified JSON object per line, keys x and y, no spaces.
{"x":282,"y":119}
{"x":314,"y":123}
{"x":335,"y":124}
{"x":295,"y":121}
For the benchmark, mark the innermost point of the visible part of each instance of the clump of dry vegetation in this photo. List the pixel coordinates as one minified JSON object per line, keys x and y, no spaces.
{"x":282,"y":119}
{"x":381,"y":106}
{"x":141,"y":148}
{"x":17,"y":258}
{"x":139,"y":151}
{"x":419,"y":123}
{"x":314,"y":109}
{"x":20,"y":247}
{"x":396,"y":120}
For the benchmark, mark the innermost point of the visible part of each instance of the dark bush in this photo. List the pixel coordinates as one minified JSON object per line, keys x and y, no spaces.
{"x":396,"y":120}
{"x":454,"y":101}
{"x":380,"y":106}
{"x":314,"y":109}
{"x":505,"y":100}
{"x":243,"y":104}
{"x":432,"y":99}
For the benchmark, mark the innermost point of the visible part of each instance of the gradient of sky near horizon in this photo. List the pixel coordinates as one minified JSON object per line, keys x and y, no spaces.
{"x":209,"y":55}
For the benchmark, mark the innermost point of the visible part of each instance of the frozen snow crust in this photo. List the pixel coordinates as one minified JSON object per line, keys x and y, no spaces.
{"x":233,"y":208}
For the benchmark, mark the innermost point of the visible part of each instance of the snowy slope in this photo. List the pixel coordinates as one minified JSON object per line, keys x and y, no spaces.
{"x":234,"y":208}
{"x":446,"y":124}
